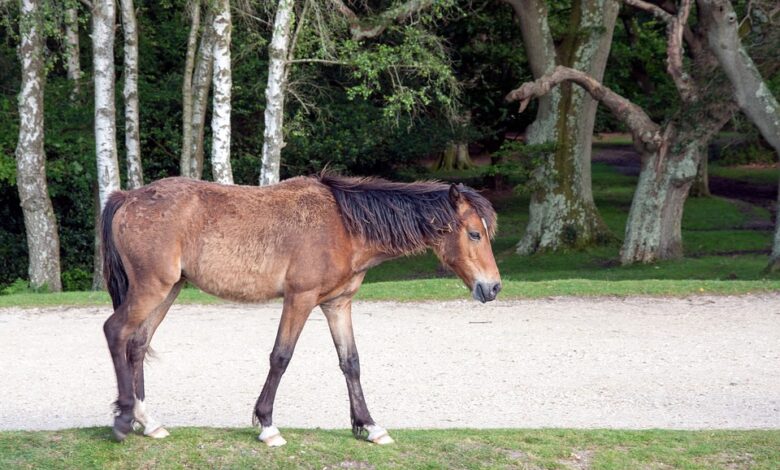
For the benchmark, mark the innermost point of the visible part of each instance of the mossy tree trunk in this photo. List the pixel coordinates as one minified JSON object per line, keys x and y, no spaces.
{"x":701,"y":185}
{"x":754,"y":97}
{"x":562,"y":213}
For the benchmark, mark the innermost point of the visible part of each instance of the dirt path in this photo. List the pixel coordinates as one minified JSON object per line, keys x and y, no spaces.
{"x":702,"y":362}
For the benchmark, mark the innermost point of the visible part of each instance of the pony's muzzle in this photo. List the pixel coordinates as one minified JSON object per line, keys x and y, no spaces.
{"x":486,"y":291}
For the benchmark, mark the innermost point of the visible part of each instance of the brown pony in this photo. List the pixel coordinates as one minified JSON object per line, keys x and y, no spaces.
{"x":309,"y":240}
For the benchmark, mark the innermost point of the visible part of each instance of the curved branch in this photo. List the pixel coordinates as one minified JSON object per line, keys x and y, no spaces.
{"x":645,"y":132}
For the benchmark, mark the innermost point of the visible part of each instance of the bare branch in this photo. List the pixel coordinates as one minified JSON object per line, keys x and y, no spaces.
{"x":674,"y":52}
{"x":364,"y":29}
{"x":645,"y":132}
{"x":657,"y":11}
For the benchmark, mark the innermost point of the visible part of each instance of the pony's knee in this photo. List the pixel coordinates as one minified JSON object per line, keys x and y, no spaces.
{"x":350,"y":365}
{"x":137,"y":347}
{"x":280,"y":360}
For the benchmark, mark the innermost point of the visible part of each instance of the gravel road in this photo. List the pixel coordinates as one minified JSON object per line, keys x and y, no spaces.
{"x":694,"y":363}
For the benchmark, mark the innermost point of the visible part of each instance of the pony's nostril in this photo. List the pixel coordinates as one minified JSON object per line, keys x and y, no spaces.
{"x":496,"y":288}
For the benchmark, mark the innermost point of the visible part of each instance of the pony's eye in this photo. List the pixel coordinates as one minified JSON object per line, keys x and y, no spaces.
{"x":475,"y":236}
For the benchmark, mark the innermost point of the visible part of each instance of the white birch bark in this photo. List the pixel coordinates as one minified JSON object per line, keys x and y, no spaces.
{"x":135,"y":177}
{"x":201,"y":82}
{"x":273,"y":137}
{"x":72,"y":52}
{"x":186,"y":91}
{"x":222,"y":78}
{"x":40,"y":224}
{"x":103,"y":23}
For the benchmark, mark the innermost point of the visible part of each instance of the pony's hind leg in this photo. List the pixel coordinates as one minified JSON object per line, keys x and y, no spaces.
{"x":294,"y":314}
{"x":120,"y":327}
{"x":137,"y":348}
{"x":339,"y":315}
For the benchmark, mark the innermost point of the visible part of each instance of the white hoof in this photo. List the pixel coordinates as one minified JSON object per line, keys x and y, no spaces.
{"x":378,"y":435}
{"x":159,"y":433}
{"x":272,"y":437}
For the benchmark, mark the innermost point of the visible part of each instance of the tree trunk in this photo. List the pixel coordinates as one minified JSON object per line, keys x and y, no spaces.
{"x":187,"y":91}
{"x":753,"y":96}
{"x":653,"y":229}
{"x":98,"y":283}
{"x":273,"y":138}
{"x":774,"y":258}
{"x":135,"y":176}
{"x":223,"y":82}
{"x":40,"y":224}
{"x":103,"y":23}
{"x":201,"y":82}
{"x":72,"y":61}
{"x":701,"y":185}
{"x":562,"y":213}
{"x":454,"y":157}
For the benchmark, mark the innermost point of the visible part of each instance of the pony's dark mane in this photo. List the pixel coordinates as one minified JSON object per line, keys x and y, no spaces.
{"x":402,"y":218}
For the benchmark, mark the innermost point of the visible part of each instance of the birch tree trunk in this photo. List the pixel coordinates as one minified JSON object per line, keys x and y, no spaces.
{"x":562,"y":212}
{"x":40,"y":224}
{"x":201,"y":82}
{"x":273,"y":137}
{"x":103,"y":23}
{"x":752,"y":94}
{"x":187,"y":91}
{"x":135,"y":176}
{"x":72,"y":53}
{"x":220,"y":117}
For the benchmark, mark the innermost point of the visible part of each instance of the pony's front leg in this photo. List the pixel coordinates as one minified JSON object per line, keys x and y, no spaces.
{"x":339,"y":315}
{"x":296,"y":310}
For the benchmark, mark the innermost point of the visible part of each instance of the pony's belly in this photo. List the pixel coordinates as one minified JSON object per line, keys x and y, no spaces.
{"x":240,"y":286}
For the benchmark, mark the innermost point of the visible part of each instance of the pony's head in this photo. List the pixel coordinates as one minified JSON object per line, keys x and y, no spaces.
{"x":466,"y":249}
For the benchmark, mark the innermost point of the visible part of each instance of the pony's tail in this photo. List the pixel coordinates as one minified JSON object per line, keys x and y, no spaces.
{"x":113,"y":269}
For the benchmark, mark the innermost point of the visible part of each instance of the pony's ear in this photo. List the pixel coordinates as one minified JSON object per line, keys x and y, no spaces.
{"x":454,"y":195}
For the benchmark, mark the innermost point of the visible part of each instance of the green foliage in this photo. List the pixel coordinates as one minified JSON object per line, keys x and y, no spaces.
{"x":637,"y":69}
{"x":514,"y":163}
{"x":353,"y":137}
{"x":415,"y":55}
{"x":19,"y":286}
{"x":76,"y":279}
{"x":747,"y":153}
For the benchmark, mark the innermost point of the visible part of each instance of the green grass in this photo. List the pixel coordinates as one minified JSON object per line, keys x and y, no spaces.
{"x":723,"y":256}
{"x":456,"y":448}
{"x":756,"y":175}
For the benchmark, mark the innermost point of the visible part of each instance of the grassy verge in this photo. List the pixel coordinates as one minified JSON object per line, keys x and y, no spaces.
{"x":453,"y":289}
{"x":549,"y":448}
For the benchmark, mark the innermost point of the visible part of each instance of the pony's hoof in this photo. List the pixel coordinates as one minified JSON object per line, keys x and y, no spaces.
{"x":384,"y":439}
{"x":272,"y":437}
{"x":159,"y":433}
{"x":378,"y":435}
{"x":122,"y":427}
{"x":119,"y":436}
